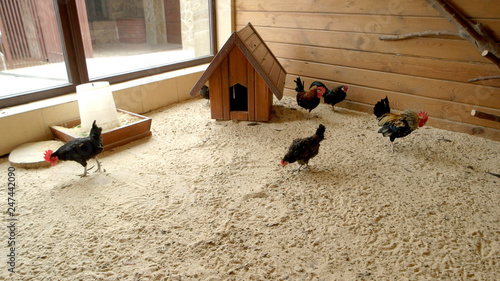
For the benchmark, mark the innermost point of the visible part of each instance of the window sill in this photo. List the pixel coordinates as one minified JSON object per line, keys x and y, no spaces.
{"x":124,"y":86}
{"x":30,"y":122}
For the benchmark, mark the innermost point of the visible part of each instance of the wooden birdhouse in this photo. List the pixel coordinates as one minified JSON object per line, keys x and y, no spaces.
{"x":242,"y":78}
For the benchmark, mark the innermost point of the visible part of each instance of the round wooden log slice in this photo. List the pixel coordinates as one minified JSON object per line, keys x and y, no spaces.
{"x":30,"y":155}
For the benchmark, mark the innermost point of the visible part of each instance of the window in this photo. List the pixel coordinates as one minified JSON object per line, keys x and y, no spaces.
{"x":47,"y":47}
{"x":31,"y":53}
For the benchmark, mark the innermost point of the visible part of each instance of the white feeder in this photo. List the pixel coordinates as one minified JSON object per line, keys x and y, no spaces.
{"x":95,"y":101}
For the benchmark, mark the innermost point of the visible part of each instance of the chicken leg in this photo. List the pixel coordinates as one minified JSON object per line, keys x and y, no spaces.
{"x":84,"y":172}
{"x":85,"y":168}
{"x":306,"y":165}
{"x":98,"y":164}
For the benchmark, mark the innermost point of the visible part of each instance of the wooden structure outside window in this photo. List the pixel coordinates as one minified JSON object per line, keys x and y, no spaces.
{"x":242,"y":78}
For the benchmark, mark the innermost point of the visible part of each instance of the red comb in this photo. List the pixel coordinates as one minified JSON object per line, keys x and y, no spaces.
{"x":423,"y":118}
{"x":423,"y":115}
{"x":47,"y":156}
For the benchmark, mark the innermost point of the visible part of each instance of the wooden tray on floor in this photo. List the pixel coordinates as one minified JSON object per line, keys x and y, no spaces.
{"x":114,"y":137}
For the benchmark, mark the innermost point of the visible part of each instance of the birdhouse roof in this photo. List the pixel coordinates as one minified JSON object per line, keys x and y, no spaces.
{"x":257,"y":53}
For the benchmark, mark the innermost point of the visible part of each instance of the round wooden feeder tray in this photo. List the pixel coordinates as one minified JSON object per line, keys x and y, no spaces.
{"x":30,"y":155}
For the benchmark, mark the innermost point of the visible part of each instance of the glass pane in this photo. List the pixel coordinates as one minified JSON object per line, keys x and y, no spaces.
{"x":128,"y":35}
{"x":31,"y":55}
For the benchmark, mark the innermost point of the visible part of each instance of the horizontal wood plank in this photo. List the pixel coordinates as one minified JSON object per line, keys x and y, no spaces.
{"x":394,"y":7}
{"x":239,"y":115}
{"x":379,"y":24}
{"x":448,"y":49}
{"x":422,"y":67}
{"x":476,"y":9}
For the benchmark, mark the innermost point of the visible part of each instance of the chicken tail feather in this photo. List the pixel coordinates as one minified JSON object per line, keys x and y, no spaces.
{"x":300,"y":85}
{"x":320,"y":132}
{"x":381,"y":107}
{"x":385,"y":131}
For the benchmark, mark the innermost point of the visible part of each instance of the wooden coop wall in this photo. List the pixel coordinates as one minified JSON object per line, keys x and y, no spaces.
{"x":337,"y":42}
{"x":235,"y":69}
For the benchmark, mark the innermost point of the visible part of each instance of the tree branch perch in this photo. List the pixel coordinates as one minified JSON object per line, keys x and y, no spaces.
{"x":489,"y":55}
{"x":473,"y":32}
{"x":419,"y":34}
{"x":484,"y":115}
{"x":484,"y":78}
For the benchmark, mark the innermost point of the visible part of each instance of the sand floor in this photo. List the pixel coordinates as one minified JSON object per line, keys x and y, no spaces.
{"x":208,"y":200}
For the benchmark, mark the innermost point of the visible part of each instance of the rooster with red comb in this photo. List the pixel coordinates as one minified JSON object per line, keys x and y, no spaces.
{"x":79,"y":150}
{"x":397,"y":125}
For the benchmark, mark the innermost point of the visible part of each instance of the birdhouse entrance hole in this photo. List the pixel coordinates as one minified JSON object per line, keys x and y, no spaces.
{"x":238,"y":98}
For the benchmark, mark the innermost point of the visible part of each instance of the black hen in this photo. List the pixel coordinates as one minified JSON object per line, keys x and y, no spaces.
{"x":79,"y":150}
{"x":204,"y":93}
{"x":301,"y":150}
{"x":332,"y":96}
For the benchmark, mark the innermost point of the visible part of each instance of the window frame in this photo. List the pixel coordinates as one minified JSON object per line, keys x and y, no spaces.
{"x":75,"y":59}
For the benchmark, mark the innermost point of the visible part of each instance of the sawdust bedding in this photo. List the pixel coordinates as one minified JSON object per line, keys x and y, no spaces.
{"x":208,"y":200}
